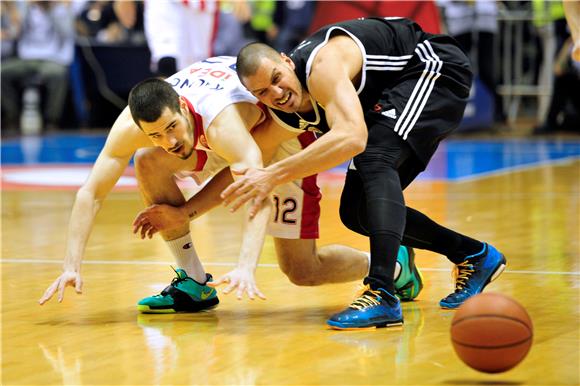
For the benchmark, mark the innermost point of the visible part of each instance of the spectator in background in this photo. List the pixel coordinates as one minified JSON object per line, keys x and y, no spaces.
{"x":112,"y":22}
{"x":231,"y":37}
{"x":179,"y":33}
{"x":474,"y":25}
{"x":564,"y":111}
{"x":261,"y":25}
{"x":572,"y":12}
{"x":9,"y":24}
{"x":550,"y":13}
{"x":283,"y":24}
{"x":45,"y":48}
{"x":292,"y":20}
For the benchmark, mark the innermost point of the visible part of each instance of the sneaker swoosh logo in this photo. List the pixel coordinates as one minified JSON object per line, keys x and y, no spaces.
{"x":206,"y":294}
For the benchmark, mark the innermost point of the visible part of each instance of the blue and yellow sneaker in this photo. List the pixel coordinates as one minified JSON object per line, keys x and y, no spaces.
{"x":473,"y":274}
{"x":183,"y":295}
{"x":410,"y":281}
{"x":372,"y":308}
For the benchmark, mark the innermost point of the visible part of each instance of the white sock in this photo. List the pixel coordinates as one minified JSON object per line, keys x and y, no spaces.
{"x":397,"y":267}
{"x":397,"y":271}
{"x":186,"y":257}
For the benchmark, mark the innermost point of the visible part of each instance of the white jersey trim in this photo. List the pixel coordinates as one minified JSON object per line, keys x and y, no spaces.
{"x":422,"y":89}
{"x":358,"y":43}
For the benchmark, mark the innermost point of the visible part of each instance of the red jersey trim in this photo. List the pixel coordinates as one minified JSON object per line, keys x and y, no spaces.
{"x":198,"y":132}
{"x":312,"y":196}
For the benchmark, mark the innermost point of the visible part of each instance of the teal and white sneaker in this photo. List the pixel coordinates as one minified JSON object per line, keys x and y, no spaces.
{"x":183,"y":295}
{"x":410,"y":282}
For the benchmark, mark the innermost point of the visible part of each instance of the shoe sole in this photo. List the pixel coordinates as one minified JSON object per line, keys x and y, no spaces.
{"x":498,"y":271}
{"x":338,"y":326}
{"x":145,"y":309}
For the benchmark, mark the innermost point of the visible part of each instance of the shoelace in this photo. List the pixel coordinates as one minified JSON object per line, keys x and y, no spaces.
{"x":367,"y":298}
{"x":177,"y":279}
{"x":462,"y":273}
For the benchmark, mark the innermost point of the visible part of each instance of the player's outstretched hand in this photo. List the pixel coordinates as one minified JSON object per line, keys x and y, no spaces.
{"x":240,"y":280}
{"x":253,"y":184}
{"x":67,"y":278}
{"x":159,"y":217}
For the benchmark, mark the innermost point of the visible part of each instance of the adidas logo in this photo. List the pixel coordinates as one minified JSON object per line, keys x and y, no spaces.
{"x":390,"y":113}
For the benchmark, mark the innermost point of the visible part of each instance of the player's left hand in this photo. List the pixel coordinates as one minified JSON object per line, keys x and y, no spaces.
{"x":241,"y":280}
{"x":159,"y":217}
{"x":253,"y":184}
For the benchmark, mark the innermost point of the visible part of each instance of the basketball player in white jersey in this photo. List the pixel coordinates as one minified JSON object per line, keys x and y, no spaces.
{"x":179,"y":32}
{"x":195,"y":123}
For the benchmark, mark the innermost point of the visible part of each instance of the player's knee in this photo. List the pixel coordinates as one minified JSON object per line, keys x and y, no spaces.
{"x":349,"y":217}
{"x":300,"y":270}
{"x":303,"y":277}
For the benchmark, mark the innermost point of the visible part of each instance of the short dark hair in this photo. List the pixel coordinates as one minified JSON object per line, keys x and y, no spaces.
{"x":250,"y":56}
{"x":149,"y":98}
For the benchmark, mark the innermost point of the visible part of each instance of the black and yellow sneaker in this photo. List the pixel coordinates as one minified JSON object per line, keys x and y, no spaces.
{"x":183,"y":295}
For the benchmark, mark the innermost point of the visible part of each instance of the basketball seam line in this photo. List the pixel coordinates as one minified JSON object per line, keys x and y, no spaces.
{"x":493,"y":316}
{"x":492,"y":347}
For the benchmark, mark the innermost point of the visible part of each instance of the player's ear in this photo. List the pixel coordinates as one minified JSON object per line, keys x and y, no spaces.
{"x":182,"y":103}
{"x":286,"y":59}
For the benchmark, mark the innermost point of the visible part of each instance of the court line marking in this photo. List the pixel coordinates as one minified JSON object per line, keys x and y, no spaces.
{"x":221,"y":264}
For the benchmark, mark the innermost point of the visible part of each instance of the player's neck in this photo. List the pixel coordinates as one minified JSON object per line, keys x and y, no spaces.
{"x":307,"y":103}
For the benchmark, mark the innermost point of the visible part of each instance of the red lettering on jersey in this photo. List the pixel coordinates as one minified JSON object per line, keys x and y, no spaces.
{"x":217,"y":74}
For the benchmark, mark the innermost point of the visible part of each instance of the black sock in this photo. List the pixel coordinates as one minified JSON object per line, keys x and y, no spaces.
{"x":423,"y":233}
{"x":382,"y":267}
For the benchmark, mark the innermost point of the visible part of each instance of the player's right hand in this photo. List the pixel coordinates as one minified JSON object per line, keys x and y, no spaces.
{"x":159,"y":217}
{"x":67,"y":278}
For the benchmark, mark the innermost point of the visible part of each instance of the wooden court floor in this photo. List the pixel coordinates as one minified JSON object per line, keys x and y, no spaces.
{"x":98,"y":338}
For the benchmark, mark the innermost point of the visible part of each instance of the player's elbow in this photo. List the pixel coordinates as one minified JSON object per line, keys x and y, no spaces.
{"x":87,"y":194}
{"x":356,"y":144}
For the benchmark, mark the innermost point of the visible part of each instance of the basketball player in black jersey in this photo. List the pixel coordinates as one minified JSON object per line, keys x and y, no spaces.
{"x":384,"y":94}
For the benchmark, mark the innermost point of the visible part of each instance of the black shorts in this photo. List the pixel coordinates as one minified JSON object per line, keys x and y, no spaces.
{"x":427,"y":102}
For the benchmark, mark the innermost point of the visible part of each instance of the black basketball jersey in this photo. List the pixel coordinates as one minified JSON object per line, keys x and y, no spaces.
{"x":387,"y":45}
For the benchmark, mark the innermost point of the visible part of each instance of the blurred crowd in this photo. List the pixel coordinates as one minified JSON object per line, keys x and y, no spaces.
{"x":71,"y":64}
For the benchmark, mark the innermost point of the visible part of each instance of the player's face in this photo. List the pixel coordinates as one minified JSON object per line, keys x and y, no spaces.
{"x":276,"y":85}
{"x":172,"y":131}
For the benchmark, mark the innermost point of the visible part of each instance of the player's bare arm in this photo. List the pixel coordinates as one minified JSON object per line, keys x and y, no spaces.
{"x":123,"y":140}
{"x":229,"y":136}
{"x":269,"y":135}
{"x":334,"y":70}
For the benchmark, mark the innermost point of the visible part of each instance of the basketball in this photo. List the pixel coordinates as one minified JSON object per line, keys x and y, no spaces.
{"x":491,"y":332}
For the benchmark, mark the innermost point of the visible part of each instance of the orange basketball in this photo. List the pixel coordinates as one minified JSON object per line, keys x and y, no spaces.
{"x":491,"y":332}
